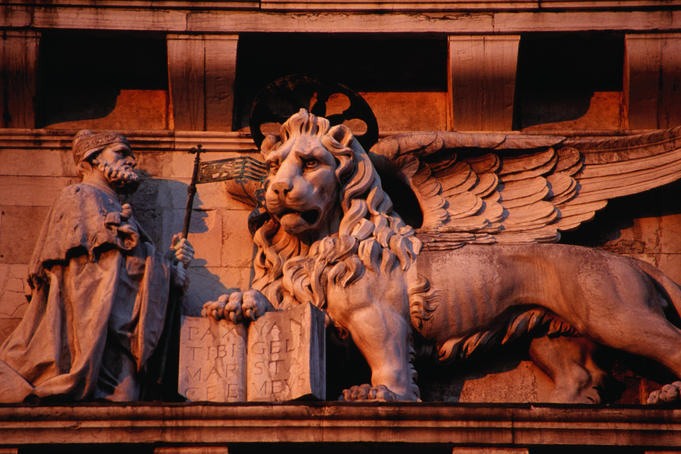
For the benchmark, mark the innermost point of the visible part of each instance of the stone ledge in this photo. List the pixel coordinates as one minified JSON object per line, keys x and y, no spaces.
{"x":153,"y":140}
{"x":299,"y":17}
{"x":475,"y":424}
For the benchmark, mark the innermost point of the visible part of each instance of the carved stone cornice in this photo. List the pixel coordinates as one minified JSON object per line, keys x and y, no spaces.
{"x":451,"y":424}
{"x":294,"y":16}
{"x":47,"y":139}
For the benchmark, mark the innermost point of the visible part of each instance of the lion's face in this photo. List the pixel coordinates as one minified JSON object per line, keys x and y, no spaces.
{"x":302,"y":189}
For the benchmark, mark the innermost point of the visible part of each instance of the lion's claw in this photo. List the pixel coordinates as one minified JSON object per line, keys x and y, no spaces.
{"x":667,"y":394}
{"x":238,"y":306}
{"x":368,"y":392}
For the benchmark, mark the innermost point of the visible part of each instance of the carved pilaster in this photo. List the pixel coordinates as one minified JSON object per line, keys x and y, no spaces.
{"x":18,"y":57}
{"x":482,"y":73}
{"x":652,"y":75}
{"x":201,"y":70}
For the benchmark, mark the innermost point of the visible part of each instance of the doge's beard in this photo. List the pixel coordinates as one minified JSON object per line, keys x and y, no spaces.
{"x":122,"y":178}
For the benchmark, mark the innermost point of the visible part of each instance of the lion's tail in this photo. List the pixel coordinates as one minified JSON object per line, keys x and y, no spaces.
{"x":664,"y":282}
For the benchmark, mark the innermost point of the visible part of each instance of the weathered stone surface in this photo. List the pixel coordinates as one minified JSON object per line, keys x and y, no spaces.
{"x":12,"y":297}
{"x":42,"y":162}
{"x":398,"y":425}
{"x":19,"y":229}
{"x":653,"y":74}
{"x":191,"y":450}
{"x":31,"y":191}
{"x":212,"y":360}
{"x":286,"y":355}
{"x":404,"y":111}
{"x":18,"y":59}
{"x":202,"y":69}
{"x":133,"y":109}
{"x":489,"y":450}
{"x":482,"y":81}
{"x":238,"y":244}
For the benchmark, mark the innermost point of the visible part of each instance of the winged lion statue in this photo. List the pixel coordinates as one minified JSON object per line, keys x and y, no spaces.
{"x":479,"y":267}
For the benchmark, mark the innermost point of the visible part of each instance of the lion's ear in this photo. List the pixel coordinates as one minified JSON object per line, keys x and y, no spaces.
{"x":342,"y":134}
{"x":267,"y":144}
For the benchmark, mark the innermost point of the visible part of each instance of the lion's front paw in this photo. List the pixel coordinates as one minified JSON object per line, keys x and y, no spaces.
{"x":215,"y":309}
{"x":238,"y":306}
{"x":667,"y":394}
{"x":368,"y":392}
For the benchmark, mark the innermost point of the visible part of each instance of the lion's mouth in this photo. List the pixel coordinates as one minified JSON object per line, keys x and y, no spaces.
{"x":309,"y":216}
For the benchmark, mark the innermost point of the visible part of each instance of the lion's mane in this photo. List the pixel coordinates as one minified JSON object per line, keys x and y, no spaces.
{"x":371,"y":235}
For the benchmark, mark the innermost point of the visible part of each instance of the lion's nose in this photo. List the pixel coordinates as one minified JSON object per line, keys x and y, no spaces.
{"x":281,"y":188}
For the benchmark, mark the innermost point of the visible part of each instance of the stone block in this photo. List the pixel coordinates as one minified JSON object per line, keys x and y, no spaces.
{"x":172,"y":223}
{"x":132,"y":109}
{"x":670,"y":234}
{"x":208,"y":283}
{"x":206,"y":237}
{"x":212,"y":360}
{"x":488,"y":450}
{"x":190,"y":450}
{"x":287,"y":355}
{"x":172,"y":193}
{"x":7,"y":325}
{"x":19,"y":229}
{"x":238,"y":250}
{"x":41,"y":162}
{"x":19,"y":60}
{"x":482,"y":71}
{"x":12,"y":290}
{"x":32,"y":191}
{"x":407,"y":111}
{"x":671,"y":265}
{"x":652,"y":75}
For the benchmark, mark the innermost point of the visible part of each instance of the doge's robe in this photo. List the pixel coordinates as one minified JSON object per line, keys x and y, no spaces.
{"x":97,"y":307}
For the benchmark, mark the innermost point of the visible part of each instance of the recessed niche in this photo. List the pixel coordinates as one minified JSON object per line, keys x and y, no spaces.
{"x":404,"y":80}
{"x":100,"y":81}
{"x":570,"y":81}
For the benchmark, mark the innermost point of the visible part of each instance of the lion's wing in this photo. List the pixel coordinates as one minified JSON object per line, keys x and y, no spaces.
{"x":487,"y":188}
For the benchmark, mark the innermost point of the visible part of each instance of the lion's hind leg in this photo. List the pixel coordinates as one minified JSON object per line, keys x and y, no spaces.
{"x":625,"y":312}
{"x":568,"y":361}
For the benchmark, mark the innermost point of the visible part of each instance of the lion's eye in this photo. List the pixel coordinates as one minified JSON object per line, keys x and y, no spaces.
{"x":310,"y":163}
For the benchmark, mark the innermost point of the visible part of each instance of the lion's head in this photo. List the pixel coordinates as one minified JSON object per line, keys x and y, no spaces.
{"x":329,"y":216}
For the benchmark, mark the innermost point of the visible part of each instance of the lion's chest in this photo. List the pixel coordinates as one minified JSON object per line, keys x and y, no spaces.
{"x":373,"y":292}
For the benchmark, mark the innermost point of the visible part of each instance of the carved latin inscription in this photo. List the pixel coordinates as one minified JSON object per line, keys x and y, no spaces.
{"x":281,"y":356}
{"x":212,"y":360}
{"x":286,"y":355}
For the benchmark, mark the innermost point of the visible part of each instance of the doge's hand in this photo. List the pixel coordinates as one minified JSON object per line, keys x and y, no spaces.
{"x":238,"y":306}
{"x":182,"y":248}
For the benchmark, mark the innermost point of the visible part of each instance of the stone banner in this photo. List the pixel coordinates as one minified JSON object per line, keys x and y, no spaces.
{"x":279,"y":357}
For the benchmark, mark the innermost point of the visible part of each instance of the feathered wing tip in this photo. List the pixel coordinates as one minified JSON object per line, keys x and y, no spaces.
{"x":524,"y":321}
{"x":493,"y":188}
